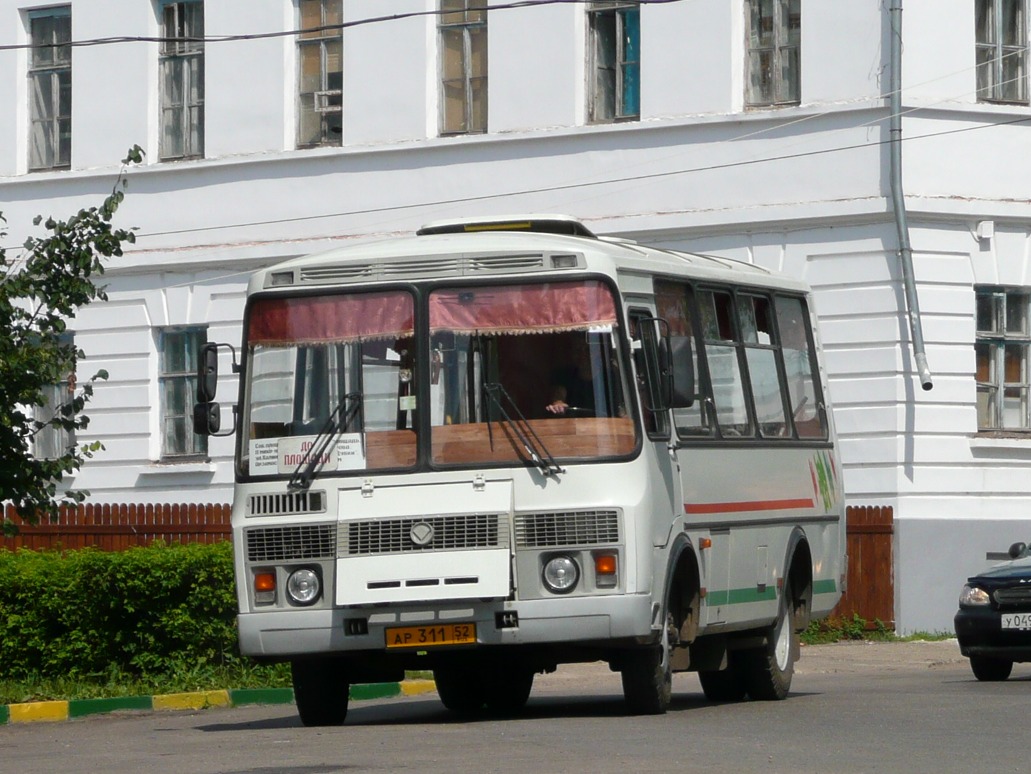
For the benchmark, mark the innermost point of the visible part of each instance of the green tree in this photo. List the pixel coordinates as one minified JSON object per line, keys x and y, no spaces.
{"x":39,"y":292}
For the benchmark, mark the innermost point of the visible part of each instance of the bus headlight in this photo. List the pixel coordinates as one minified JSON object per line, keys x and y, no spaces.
{"x":303,"y":586}
{"x":560,"y":574}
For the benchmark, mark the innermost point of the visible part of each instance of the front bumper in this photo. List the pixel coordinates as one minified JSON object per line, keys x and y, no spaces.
{"x":980,"y":633}
{"x":591,"y":621}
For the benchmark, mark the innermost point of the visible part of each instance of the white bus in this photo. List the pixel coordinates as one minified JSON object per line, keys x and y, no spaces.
{"x":504,"y":445}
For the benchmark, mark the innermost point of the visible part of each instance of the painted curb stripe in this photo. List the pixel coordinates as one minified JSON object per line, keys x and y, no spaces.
{"x":242,"y":696}
{"x":78,"y":708}
{"x":29,"y":712}
{"x":192,"y":701}
{"x":39,"y":710}
{"x":374,"y":691}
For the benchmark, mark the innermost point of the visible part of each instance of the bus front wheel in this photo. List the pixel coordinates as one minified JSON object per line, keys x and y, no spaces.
{"x":320,"y":691}
{"x":461,"y":690}
{"x":648,"y":675}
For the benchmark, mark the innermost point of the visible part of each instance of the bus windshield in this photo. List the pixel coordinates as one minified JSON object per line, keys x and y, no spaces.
{"x":514,"y":373}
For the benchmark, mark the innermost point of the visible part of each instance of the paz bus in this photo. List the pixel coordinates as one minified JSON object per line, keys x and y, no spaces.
{"x":500,"y":446}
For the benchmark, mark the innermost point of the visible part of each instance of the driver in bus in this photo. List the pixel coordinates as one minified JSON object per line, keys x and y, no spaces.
{"x":572,"y":387}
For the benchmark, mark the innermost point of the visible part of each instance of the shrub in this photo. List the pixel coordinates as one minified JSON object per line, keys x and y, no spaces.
{"x":146,"y":611}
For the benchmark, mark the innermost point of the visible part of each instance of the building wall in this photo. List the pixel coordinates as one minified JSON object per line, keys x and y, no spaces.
{"x":802,"y":189}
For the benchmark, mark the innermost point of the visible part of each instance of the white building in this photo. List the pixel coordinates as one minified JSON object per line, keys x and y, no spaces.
{"x":754,"y":129}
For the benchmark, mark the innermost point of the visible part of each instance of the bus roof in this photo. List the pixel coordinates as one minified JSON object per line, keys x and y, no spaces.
{"x":482,"y":248}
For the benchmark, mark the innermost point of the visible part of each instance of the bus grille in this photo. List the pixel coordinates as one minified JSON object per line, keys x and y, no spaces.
{"x":422,"y":533}
{"x":277,"y":544}
{"x":279,"y":503}
{"x":577,"y":528}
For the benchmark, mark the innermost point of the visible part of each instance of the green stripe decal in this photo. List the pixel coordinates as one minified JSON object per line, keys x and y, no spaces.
{"x":78,"y":708}
{"x":741,"y":596}
{"x":825,"y":587}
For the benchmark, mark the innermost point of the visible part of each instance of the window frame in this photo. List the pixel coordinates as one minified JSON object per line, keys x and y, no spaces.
{"x":326,"y":100}
{"x":996,"y":341}
{"x":783,"y":89}
{"x":185,"y":58}
{"x":52,"y":442}
{"x":469,"y":22}
{"x":187,"y":376}
{"x":993,"y":54}
{"x":626,"y":91}
{"x":56,"y":141}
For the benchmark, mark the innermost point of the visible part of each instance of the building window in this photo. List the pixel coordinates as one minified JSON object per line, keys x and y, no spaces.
{"x":463,"y":66}
{"x":1001,"y":51}
{"x":182,"y":80}
{"x":177,"y":349}
{"x":615,"y":61}
{"x":1001,"y":347}
{"x":320,"y":90}
{"x":53,"y":440}
{"x":774,"y":43}
{"x":50,"y":89}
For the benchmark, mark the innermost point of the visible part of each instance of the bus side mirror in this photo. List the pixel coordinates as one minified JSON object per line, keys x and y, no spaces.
{"x":207,"y":373}
{"x":207,"y":418}
{"x":682,"y":367}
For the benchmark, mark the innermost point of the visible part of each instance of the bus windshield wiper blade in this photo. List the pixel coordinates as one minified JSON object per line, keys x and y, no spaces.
{"x":534,"y":447}
{"x":345,"y":411}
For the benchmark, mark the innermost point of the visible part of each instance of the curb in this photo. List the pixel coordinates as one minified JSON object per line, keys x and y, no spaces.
{"x":51,"y":711}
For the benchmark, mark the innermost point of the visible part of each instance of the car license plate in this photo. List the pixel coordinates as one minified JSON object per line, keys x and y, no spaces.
{"x":429,"y":636}
{"x":1016,"y":621}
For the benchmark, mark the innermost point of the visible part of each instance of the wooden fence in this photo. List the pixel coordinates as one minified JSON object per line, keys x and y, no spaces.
{"x":870,"y":531}
{"x":871,"y":568}
{"x":118,"y":527}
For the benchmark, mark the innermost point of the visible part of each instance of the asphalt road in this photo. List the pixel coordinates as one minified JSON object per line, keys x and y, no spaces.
{"x":854,"y":707}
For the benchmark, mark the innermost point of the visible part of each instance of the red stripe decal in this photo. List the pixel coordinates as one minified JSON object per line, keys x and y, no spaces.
{"x":755,"y":505}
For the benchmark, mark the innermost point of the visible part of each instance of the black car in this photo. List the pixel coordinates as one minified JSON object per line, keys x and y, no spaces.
{"x":994,"y":619}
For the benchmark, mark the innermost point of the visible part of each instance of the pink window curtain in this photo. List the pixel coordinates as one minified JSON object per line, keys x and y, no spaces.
{"x":324,"y":319}
{"x":671,"y":306}
{"x":548,"y":308}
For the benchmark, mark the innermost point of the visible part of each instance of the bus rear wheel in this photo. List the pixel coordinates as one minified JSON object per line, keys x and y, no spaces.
{"x":767,"y":671}
{"x":508,"y":689}
{"x":460,"y":690}
{"x":320,"y":691}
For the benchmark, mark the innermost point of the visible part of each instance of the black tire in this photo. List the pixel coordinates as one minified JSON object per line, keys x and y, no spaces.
{"x":990,"y":670}
{"x":320,"y":691}
{"x":460,"y":690}
{"x":767,"y":671}
{"x":508,"y":689}
{"x":725,"y":685}
{"x":648,"y":677}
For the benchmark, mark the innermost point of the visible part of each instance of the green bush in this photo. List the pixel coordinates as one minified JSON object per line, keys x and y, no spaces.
{"x":154,"y":611}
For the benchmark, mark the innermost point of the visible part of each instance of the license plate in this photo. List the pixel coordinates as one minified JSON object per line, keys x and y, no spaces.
{"x":429,"y":636}
{"x":1016,"y":621}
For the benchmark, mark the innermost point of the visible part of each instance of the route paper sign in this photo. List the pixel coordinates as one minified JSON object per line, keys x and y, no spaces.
{"x":270,"y":456}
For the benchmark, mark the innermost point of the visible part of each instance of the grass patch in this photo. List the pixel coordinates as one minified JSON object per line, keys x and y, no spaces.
{"x":115,"y":683}
{"x":838,"y":629}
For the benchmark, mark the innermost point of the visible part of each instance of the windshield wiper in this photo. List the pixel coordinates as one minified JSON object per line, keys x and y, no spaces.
{"x":534,"y":447}
{"x":345,"y":411}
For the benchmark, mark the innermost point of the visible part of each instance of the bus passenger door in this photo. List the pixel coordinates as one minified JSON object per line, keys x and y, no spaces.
{"x":664,"y":468}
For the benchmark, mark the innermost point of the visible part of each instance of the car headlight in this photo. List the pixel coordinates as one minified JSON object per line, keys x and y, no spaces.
{"x":303,"y":586}
{"x":560,"y":574}
{"x":972,"y":596}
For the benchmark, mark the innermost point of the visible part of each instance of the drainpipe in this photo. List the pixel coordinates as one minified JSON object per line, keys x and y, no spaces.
{"x":898,"y":199}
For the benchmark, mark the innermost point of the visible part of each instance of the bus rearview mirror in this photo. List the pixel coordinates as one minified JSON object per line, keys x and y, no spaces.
{"x":207,"y":373}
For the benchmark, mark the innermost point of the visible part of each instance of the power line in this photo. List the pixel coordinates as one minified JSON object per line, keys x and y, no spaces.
{"x":117,"y":39}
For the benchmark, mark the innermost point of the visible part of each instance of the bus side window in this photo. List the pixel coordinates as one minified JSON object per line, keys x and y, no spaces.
{"x":722,"y":353}
{"x":675,"y":306}
{"x":755,"y":317}
{"x":800,"y":367}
